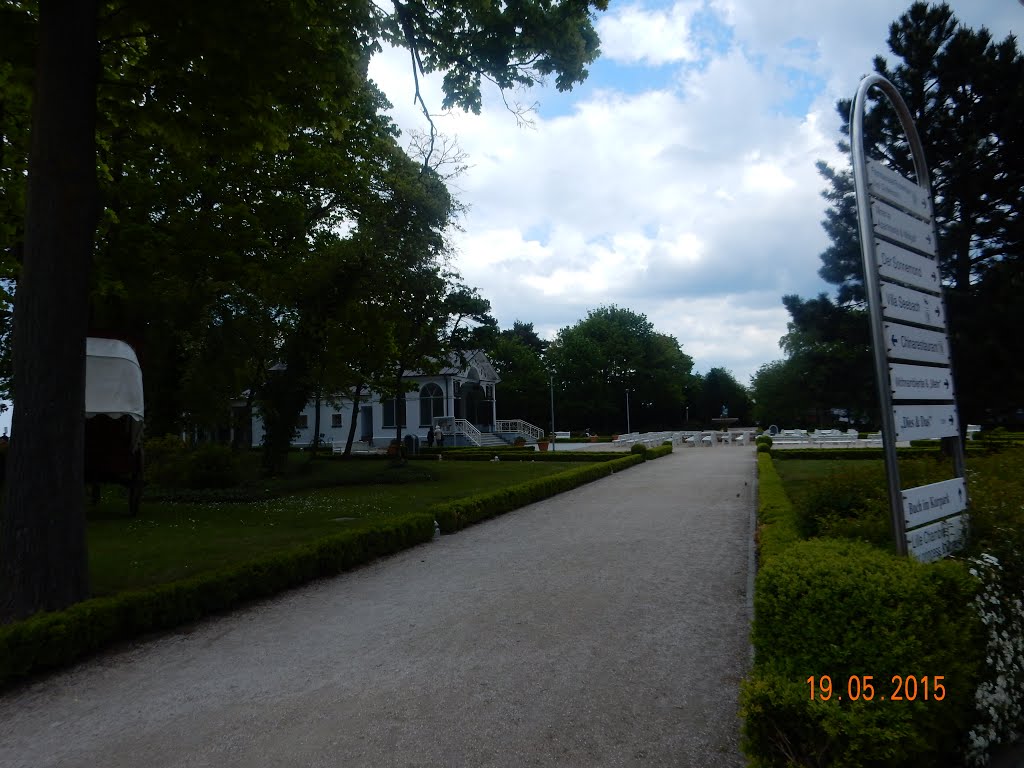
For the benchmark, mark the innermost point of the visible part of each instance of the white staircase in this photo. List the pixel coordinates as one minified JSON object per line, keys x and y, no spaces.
{"x":489,"y":440}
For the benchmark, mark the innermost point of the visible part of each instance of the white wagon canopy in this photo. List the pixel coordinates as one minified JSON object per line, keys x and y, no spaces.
{"x":113,"y":380}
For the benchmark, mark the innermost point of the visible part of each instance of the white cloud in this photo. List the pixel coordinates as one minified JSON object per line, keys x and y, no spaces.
{"x":695,"y":201}
{"x":634,"y":34}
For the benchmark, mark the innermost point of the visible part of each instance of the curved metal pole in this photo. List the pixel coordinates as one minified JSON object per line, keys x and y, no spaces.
{"x":871,"y":282}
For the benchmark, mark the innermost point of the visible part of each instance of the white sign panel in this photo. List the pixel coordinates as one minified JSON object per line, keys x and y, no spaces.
{"x":888,"y":185}
{"x":899,"y":303}
{"x":918,"y":382}
{"x":926,"y":503}
{"x":897,"y":263}
{"x":894,"y":224}
{"x":924,"y":422}
{"x":937,"y":540}
{"x":905,"y":342}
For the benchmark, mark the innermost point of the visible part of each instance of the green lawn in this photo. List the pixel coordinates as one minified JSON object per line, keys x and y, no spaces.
{"x":170,"y":541}
{"x":995,"y":484}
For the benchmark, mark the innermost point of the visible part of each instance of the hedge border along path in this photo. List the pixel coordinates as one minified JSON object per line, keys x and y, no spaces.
{"x":846,"y":609}
{"x":51,"y":640}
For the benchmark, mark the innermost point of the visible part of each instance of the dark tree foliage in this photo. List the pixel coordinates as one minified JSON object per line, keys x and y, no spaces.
{"x":719,"y":389}
{"x":228,"y":146}
{"x":524,"y":393}
{"x":612,"y":351}
{"x":965,"y":92}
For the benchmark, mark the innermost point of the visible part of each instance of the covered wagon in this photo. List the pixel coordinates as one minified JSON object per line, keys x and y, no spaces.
{"x":114,"y":412}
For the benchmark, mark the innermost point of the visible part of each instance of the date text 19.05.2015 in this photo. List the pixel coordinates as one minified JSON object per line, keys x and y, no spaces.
{"x":866,"y":688}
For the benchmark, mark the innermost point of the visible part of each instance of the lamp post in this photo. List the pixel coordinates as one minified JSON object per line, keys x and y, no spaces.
{"x":551,"y":381}
{"x":628,"y":430}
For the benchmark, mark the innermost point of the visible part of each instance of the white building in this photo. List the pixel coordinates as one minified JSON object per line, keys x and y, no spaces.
{"x":460,"y":399}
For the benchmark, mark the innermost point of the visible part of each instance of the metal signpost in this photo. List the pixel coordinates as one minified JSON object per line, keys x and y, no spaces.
{"x":913,"y":369}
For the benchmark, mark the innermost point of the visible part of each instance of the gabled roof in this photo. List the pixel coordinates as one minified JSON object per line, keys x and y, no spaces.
{"x":474,"y":359}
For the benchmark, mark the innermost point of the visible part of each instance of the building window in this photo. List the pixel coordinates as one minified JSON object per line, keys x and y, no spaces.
{"x":336,"y":420}
{"x":303,"y":422}
{"x":388,"y":416}
{"x":431,"y":404}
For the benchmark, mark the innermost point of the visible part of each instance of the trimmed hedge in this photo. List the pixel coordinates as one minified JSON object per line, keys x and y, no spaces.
{"x":459,"y":514}
{"x":847,"y":609}
{"x":480,"y":455}
{"x":828,"y":454}
{"x":776,"y":516}
{"x":50,"y":640}
{"x":662,"y":450}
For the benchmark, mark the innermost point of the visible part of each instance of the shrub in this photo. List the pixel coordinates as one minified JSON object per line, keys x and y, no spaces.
{"x":846,"y":609}
{"x":775,"y":514}
{"x":763,"y":440}
{"x":213,"y":466}
{"x":638,"y":448}
{"x":763,"y":448}
{"x":846,"y":505}
{"x":166,"y":461}
{"x":656,"y":453}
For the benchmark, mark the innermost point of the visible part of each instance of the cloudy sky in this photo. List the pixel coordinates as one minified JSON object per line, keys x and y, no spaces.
{"x":678,"y":181}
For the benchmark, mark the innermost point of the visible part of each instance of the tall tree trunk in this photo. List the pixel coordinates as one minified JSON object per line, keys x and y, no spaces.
{"x":316,"y":426}
{"x":399,"y":412}
{"x":43,"y":558}
{"x":355,"y":417}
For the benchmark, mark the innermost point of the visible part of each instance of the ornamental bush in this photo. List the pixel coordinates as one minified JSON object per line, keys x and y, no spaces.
{"x":213,"y":466}
{"x":847,"y":610}
{"x":846,"y":505}
{"x":638,"y":448}
{"x":166,"y":461}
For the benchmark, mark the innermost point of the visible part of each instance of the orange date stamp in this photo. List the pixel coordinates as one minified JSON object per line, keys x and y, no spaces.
{"x":866,"y":688}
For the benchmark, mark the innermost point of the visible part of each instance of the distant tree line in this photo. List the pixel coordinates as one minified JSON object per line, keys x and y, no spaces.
{"x":965,"y":91}
{"x":589,"y":367}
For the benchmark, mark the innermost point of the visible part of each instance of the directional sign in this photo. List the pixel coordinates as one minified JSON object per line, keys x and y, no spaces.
{"x":899,"y":303}
{"x":923,"y":422}
{"x":919,"y":382}
{"x":905,"y":342}
{"x":897,"y":263}
{"x":888,"y":185}
{"x":936,"y":540}
{"x":926,"y":503}
{"x":892,"y":224}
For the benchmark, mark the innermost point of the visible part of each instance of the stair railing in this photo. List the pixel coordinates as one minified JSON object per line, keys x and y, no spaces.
{"x":520,"y":427}
{"x":462,"y":427}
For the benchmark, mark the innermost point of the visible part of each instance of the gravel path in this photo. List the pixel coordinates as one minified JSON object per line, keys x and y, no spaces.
{"x":607,"y":626}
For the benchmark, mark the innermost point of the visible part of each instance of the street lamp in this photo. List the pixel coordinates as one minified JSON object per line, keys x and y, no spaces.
{"x":551,"y":380}
{"x":628,"y":430}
